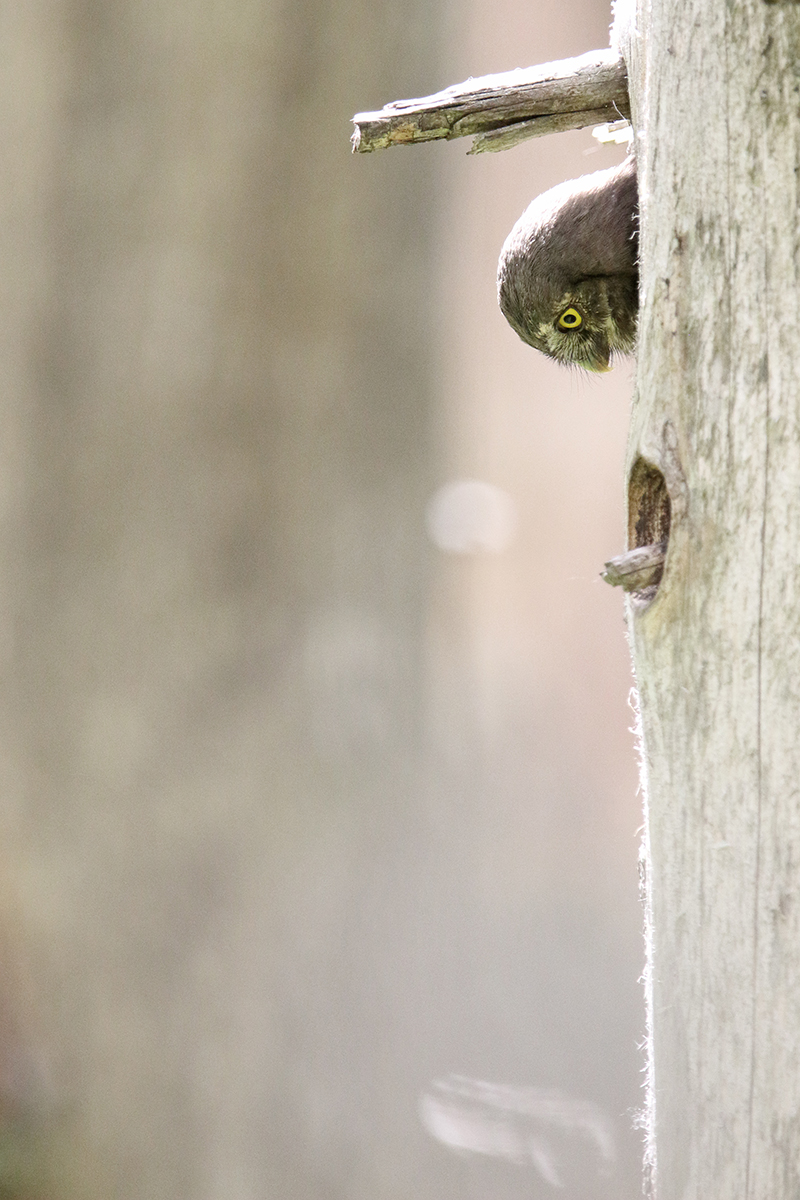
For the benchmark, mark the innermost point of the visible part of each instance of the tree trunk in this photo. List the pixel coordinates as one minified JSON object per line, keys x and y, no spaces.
{"x":716,"y":102}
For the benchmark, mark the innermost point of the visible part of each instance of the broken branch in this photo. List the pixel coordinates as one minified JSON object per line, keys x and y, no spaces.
{"x":501,"y":110}
{"x":638,"y":569}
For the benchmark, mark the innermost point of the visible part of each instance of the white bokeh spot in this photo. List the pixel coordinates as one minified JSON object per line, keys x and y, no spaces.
{"x":469,"y":516}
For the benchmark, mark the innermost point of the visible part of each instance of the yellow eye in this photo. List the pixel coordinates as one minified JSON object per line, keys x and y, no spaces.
{"x":570,"y":319}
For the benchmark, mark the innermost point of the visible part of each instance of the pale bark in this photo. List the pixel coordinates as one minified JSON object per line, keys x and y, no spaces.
{"x":504,"y":109}
{"x":717,"y":653}
{"x":638,"y":569}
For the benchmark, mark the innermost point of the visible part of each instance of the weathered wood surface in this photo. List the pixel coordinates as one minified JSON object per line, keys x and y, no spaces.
{"x":717,"y":653}
{"x":638,"y":569}
{"x":501,"y":110}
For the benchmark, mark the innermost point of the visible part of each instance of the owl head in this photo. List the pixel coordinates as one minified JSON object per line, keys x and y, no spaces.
{"x":568,"y":274}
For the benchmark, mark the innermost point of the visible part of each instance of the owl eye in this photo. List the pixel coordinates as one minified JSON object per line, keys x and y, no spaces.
{"x":570,"y":319}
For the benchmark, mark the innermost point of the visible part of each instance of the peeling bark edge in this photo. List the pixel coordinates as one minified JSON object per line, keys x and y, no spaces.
{"x":501,"y":110}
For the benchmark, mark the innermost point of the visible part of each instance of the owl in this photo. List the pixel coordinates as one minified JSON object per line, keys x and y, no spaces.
{"x":568,"y":277}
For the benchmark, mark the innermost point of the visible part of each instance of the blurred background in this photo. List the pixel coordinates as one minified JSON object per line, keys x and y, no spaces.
{"x":318,"y":798}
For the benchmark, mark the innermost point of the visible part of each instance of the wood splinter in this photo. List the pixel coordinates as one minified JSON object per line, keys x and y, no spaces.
{"x":501,"y":110}
{"x":638,"y":569}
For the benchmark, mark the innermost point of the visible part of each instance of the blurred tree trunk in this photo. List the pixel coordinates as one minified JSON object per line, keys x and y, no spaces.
{"x":717,"y":654}
{"x":214,"y":331}
{"x":290,"y":830}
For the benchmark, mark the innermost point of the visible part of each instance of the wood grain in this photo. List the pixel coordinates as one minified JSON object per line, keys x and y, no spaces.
{"x":716,"y":110}
{"x":501,"y":110}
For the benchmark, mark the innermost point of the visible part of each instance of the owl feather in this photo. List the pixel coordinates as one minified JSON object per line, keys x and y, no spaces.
{"x":568,"y":277}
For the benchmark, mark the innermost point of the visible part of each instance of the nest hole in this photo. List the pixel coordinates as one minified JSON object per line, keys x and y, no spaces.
{"x":649,"y":516}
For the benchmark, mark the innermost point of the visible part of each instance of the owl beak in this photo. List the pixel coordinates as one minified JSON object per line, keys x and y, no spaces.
{"x":600,"y":363}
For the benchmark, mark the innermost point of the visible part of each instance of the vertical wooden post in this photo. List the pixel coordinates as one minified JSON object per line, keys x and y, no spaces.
{"x":716,"y":103}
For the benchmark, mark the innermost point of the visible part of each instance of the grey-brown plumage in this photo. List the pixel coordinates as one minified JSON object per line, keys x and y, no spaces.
{"x":568,"y":278}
